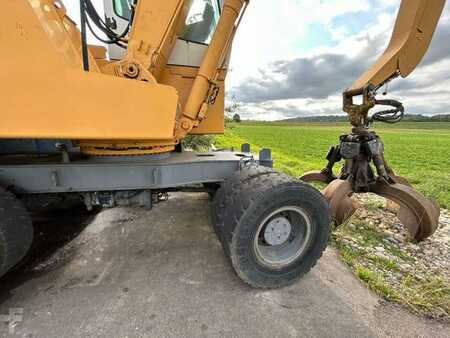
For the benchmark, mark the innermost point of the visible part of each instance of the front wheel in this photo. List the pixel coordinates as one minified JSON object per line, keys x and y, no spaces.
{"x":275,"y":229}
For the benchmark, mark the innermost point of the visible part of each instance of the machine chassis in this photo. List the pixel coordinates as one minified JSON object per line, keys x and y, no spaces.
{"x":99,"y":176}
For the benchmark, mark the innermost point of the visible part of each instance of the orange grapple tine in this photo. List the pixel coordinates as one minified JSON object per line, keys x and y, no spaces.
{"x":338,"y":193}
{"x":391,"y":205}
{"x":416,"y":212}
{"x":315,"y":176}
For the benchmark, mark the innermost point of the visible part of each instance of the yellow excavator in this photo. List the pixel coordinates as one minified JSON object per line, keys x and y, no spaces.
{"x":103,"y":127}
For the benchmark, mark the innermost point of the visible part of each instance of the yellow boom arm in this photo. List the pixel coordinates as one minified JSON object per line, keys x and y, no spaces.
{"x":413,"y":31}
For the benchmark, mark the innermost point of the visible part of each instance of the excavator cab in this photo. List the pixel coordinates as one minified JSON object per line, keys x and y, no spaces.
{"x":198,"y":29}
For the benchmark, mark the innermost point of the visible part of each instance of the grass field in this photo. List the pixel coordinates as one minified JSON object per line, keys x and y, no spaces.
{"x":418,"y":151}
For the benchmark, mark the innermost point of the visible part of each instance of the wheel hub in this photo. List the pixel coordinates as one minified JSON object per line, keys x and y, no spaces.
{"x":283,"y":237}
{"x":277,"y":231}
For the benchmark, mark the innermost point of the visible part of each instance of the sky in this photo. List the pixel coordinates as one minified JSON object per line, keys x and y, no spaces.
{"x":294,"y":58}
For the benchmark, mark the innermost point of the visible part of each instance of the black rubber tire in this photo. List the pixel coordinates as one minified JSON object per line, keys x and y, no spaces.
{"x":252,"y":200}
{"x":225,"y":192}
{"x":16,"y":231}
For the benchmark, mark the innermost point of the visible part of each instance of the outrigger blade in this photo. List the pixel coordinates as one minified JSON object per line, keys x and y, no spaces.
{"x":415,"y":211}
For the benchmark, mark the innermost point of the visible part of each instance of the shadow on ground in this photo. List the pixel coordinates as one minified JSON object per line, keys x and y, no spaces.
{"x":53,"y":231}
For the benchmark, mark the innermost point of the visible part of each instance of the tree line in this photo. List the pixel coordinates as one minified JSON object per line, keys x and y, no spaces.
{"x":344,"y":118}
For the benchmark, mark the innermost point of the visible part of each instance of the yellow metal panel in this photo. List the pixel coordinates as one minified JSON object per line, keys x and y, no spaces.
{"x":77,"y":105}
{"x":182,"y":79}
{"x":214,"y":122}
{"x":98,"y":52}
{"x":53,"y":98}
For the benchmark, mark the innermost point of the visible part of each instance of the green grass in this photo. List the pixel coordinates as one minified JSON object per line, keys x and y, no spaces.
{"x":417,"y":151}
{"x":376,"y":283}
{"x":429,"y":296}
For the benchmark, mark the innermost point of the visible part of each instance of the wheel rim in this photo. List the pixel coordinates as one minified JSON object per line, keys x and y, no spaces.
{"x":283,"y":236}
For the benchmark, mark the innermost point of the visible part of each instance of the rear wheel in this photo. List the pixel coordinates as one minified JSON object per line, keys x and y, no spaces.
{"x":16,"y":231}
{"x":273,"y":228}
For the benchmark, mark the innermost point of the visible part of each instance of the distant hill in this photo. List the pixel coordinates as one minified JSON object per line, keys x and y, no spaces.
{"x":344,"y":118}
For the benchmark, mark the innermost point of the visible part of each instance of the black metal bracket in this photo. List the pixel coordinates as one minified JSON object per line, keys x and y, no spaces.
{"x":360,"y":150}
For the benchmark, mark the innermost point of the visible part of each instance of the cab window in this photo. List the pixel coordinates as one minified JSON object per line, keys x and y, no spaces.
{"x":122,"y":8}
{"x":201,"y":21}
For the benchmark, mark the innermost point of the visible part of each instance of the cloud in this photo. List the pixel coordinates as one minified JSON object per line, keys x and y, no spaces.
{"x":275,"y":30}
{"x":317,"y":76}
{"x":311,"y":82}
{"x":314,"y":77}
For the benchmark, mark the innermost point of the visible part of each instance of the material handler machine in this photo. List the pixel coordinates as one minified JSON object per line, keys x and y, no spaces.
{"x":104,"y":127}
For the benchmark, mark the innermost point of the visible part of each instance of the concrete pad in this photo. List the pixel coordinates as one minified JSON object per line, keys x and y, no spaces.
{"x":162,"y":273}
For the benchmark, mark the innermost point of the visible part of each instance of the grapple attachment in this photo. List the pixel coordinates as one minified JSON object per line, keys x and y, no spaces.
{"x":362,"y":149}
{"x":359,"y":150}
